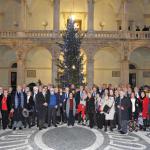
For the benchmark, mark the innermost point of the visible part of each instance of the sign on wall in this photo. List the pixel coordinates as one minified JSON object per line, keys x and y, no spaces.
{"x":115,"y":73}
{"x":146,"y":74}
{"x":31,"y":73}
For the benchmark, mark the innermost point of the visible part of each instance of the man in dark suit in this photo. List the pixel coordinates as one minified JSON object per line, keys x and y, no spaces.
{"x":123,"y":106}
{"x":41,"y":106}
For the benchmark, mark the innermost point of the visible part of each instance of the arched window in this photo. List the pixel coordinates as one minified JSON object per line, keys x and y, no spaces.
{"x":132,"y":66}
{"x":14,"y":65}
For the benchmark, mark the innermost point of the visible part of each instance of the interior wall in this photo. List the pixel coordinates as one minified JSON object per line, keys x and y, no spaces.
{"x":68,"y":7}
{"x":8,"y":58}
{"x":106,"y":60}
{"x":105,"y":11}
{"x":40,"y":60}
{"x":143,"y":64}
{"x":40,"y":12}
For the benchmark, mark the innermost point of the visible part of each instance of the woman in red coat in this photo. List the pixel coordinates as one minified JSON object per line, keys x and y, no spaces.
{"x":145,"y":103}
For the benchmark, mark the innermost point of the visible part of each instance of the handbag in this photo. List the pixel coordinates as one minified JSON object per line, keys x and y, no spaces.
{"x":106,"y":109}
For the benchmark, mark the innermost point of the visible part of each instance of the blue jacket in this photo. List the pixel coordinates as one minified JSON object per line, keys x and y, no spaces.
{"x":52,"y":101}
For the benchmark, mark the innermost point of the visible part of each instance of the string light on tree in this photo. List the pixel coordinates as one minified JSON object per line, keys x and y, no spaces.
{"x":70,"y":70}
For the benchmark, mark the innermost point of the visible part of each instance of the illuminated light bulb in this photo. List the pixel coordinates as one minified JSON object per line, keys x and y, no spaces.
{"x":72,"y":17}
{"x":73,"y":67}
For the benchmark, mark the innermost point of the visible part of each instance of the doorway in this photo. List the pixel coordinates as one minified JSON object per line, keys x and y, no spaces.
{"x":14,"y":80}
{"x":132,"y":79}
{"x":132,"y":75}
{"x":13,"y":76}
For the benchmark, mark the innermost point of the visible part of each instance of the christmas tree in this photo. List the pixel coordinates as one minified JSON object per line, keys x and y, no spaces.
{"x":70,"y":65}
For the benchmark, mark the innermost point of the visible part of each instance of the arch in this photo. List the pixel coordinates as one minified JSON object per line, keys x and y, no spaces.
{"x":38,"y":65}
{"x":8,"y":55}
{"x":139,"y":45}
{"x":141,"y":57}
{"x":98,"y":48}
{"x":107,"y":66}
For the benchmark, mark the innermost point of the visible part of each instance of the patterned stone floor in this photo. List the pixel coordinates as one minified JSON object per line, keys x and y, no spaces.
{"x":75,"y":138}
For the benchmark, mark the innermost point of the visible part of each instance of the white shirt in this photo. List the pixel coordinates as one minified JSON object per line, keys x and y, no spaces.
{"x":133,"y":104}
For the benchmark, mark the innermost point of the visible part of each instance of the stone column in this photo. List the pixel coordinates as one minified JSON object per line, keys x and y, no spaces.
{"x":20,"y":68}
{"x":90,"y":21}
{"x":125,"y":15}
{"x":23,"y":16}
{"x":124,"y":71}
{"x":90,"y":72}
{"x":54,"y":70}
{"x":56,"y":15}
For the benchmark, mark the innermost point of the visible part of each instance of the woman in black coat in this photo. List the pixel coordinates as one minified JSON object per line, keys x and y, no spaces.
{"x":30,"y":105}
{"x":91,"y":109}
{"x":5,"y":107}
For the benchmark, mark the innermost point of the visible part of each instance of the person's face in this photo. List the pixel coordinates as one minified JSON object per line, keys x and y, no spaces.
{"x":45,"y":88}
{"x":71,"y":95}
{"x":35,"y":89}
{"x":43,"y":91}
{"x":67,"y":89}
{"x":94,"y":89}
{"x":27,"y":89}
{"x":132,"y":95}
{"x":106,"y":92}
{"x":5,"y":93}
{"x":10,"y":89}
{"x":56,"y":90}
{"x":19,"y":88}
{"x":60,"y":90}
{"x":111,"y":92}
{"x":121,"y":93}
{"x":142,"y":94}
{"x":116,"y":93}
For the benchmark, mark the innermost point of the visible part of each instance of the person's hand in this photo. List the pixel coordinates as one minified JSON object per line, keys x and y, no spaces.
{"x":45,"y":104}
{"x":12,"y":110}
{"x":118,"y":106}
{"x":56,"y":106}
{"x":60,"y":104}
{"x":122,"y":108}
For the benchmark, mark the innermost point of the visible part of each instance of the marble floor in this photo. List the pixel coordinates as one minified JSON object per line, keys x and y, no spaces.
{"x":72,"y":138}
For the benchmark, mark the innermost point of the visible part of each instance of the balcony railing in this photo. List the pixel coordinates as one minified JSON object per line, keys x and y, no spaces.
{"x":40,"y":34}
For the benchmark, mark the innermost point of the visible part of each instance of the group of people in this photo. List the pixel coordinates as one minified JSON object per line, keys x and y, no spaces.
{"x":99,"y":106}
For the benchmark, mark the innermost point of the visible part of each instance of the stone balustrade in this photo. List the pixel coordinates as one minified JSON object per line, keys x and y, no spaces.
{"x":35,"y":34}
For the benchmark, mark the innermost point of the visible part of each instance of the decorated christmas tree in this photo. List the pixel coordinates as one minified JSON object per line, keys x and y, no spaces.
{"x":70,"y":65}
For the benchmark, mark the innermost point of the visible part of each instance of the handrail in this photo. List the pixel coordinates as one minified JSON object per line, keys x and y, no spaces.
{"x":33,"y":34}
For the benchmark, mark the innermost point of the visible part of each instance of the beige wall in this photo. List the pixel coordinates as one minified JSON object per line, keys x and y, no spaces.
{"x":8,"y":58}
{"x":39,"y":59}
{"x":141,"y":58}
{"x":39,"y":12}
{"x":106,"y":11}
{"x":106,"y":60}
